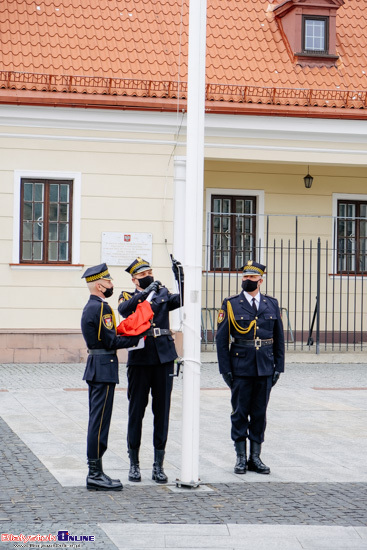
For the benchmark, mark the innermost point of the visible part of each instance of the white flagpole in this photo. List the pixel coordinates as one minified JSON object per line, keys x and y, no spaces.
{"x":193,"y":244}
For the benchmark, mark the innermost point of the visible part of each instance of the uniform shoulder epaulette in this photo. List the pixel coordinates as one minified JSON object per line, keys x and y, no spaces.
{"x":221,"y":312}
{"x":269,"y":297}
{"x":233,"y":296}
{"x":124,"y":296}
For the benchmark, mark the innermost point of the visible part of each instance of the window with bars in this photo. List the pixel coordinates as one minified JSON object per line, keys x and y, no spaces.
{"x":233,"y":231}
{"x":315,"y":34}
{"x":352,"y":237}
{"x":45,"y":221}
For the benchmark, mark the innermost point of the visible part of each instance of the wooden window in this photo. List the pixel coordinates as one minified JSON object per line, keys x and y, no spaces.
{"x":45,"y":217}
{"x":352,"y":237}
{"x":315,"y":34}
{"x":233,"y":231}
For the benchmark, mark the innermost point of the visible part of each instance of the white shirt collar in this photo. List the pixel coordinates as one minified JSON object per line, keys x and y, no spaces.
{"x":249,"y":298}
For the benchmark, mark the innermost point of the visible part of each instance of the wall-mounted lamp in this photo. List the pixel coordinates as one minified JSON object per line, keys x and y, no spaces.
{"x":308,"y":179}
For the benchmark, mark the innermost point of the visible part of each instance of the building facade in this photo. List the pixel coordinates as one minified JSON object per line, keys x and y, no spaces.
{"x":82,"y":156}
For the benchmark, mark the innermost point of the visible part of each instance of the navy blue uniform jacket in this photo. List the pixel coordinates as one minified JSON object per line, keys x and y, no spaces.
{"x":102,"y":368}
{"x":157,"y":350}
{"x":246,"y":360}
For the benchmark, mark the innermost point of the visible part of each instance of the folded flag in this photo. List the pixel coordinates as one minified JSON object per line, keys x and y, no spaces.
{"x":137,"y":322}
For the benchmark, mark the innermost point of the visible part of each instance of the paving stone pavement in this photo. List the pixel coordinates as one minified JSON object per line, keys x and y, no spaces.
{"x":44,"y":407}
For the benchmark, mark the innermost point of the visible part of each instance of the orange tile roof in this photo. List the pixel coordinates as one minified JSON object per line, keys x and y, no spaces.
{"x":131,"y":48}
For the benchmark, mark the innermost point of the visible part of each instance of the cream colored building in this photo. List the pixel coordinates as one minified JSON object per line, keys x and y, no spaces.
{"x":93,"y":114}
{"x":127,"y":168}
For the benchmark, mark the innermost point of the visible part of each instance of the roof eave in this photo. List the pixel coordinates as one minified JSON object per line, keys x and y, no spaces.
{"x":284,"y":7}
{"x":96,"y":101}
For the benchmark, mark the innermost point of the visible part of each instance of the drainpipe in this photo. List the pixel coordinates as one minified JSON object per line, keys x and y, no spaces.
{"x":179,"y":194}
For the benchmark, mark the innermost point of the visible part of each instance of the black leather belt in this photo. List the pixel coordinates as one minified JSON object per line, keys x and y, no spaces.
{"x":155,"y":332}
{"x":101,"y":352}
{"x":257,"y":343}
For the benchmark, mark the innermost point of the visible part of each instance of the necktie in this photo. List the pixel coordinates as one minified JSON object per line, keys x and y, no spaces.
{"x":254,"y":305}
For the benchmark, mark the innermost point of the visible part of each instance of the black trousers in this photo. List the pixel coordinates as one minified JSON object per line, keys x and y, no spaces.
{"x":143,"y":379}
{"x":100,"y":410}
{"x":250,"y":397}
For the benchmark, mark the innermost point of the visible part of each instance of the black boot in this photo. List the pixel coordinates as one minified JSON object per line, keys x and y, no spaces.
{"x":134,"y":472}
{"x":97,"y":480}
{"x":254,"y":463}
{"x":158,"y":474}
{"x":240,"y":467}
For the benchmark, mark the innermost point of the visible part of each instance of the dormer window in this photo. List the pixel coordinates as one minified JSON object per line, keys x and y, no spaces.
{"x":315,"y":34}
{"x":308,"y":28}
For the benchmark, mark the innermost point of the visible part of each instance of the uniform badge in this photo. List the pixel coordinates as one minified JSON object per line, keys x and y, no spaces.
{"x":108,"y":321}
{"x":125,"y":297}
{"x":221,"y":315}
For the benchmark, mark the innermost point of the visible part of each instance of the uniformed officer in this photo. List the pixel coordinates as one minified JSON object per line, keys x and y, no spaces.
{"x":250,"y":348}
{"x":101,"y":372}
{"x":150,"y":368}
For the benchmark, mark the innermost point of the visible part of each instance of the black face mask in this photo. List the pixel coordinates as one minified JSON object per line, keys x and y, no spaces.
{"x":145,"y":281}
{"x":108,"y":292}
{"x":249,"y":285}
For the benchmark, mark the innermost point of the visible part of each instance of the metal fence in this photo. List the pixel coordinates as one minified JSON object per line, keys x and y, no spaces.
{"x":313,"y":273}
{"x":172,"y":89}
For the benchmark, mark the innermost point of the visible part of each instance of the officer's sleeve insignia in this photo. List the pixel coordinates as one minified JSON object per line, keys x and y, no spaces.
{"x":108,"y":321}
{"x":221,"y":315}
{"x":124,"y":297}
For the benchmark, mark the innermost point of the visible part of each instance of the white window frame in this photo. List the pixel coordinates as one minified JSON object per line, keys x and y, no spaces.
{"x":260,"y":206}
{"x":75,"y":238}
{"x":321,"y":19}
{"x":335,"y":198}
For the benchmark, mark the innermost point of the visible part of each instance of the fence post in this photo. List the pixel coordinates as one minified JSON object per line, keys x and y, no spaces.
{"x":318,"y":296}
